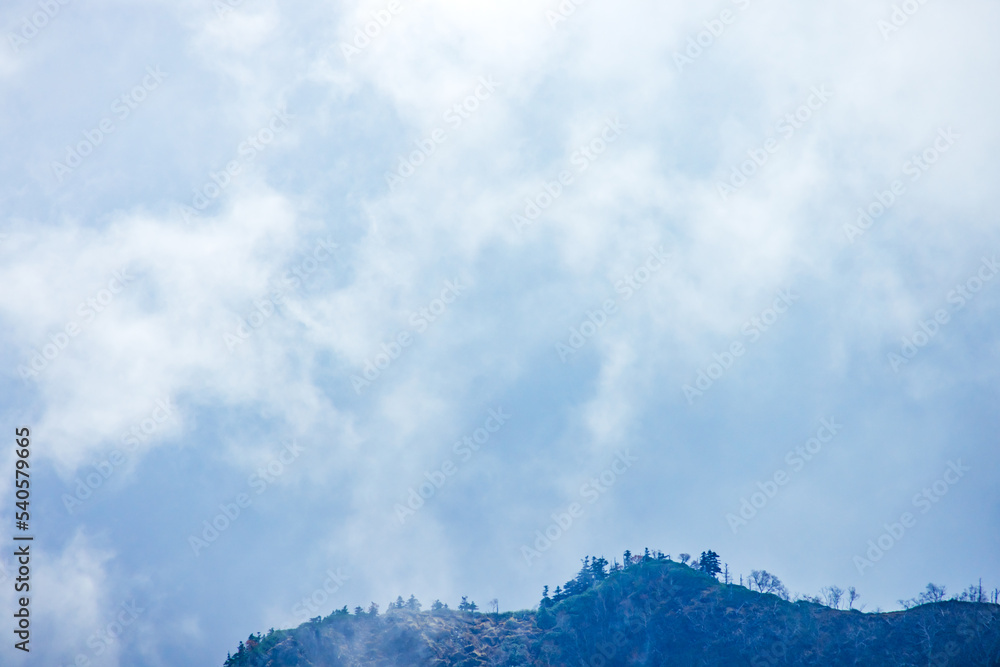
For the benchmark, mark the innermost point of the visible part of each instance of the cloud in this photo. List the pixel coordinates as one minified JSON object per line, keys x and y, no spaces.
{"x":185,"y":294}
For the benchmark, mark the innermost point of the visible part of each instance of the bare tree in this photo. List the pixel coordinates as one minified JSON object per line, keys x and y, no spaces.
{"x":767,"y":583}
{"x":932,"y":594}
{"x":832,"y":595}
{"x":685,"y":558}
{"x":852,"y":597}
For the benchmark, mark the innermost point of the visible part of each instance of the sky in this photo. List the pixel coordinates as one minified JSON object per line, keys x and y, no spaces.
{"x":313,"y":304}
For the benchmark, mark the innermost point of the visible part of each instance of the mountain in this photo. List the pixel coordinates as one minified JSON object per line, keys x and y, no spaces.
{"x":654,"y":612}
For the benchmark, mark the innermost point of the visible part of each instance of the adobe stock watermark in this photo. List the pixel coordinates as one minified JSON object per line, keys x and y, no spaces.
{"x":420,"y":321}
{"x":705,"y":39}
{"x":223,"y":8}
{"x":591,"y":491}
{"x":581,"y":159}
{"x":122,"y":107}
{"x":595,"y":320}
{"x":110,"y":634}
{"x":268,"y":305}
{"x":364,"y":34}
{"x":796,"y":460}
{"x":130,"y":442}
{"x":900,"y":16}
{"x":915,"y":168}
{"x":465,"y":449}
{"x":929,"y":328}
{"x":259,"y":482}
{"x":924,"y":501}
{"x":246,"y":153}
{"x":787,"y":126}
{"x":562,"y":12}
{"x":88,"y":310}
{"x":316,"y":601}
{"x":454,"y":116}
{"x":32,"y":25}
{"x":753,"y":329}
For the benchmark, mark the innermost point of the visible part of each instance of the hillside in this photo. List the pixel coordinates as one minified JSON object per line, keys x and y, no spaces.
{"x":655,"y":612}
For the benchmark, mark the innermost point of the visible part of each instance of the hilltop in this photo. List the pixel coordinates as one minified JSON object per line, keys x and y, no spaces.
{"x":653,"y":612}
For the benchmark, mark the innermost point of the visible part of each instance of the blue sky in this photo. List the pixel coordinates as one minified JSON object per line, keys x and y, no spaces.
{"x":257,"y":279}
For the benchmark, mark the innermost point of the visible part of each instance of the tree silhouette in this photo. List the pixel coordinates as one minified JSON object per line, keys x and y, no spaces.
{"x":709,"y":563}
{"x":767,"y":583}
{"x":852,"y":597}
{"x":832,"y":595}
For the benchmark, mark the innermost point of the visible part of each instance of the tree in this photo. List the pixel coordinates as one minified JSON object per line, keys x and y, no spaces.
{"x":546,"y":600}
{"x":358,"y":611}
{"x":767,"y":583}
{"x":467,"y":606}
{"x":709,"y":563}
{"x":852,"y":597}
{"x":933,"y":593}
{"x":627,"y":558}
{"x":437,"y":605}
{"x":413,"y":604}
{"x":373,"y":609}
{"x":973,"y":593}
{"x":832,"y":595}
{"x":598,"y":567}
{"x":398,"y":604}
{"x":685,"y":558}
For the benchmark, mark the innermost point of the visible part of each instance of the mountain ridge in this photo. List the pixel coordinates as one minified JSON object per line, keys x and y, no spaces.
{"x":653,"y":612}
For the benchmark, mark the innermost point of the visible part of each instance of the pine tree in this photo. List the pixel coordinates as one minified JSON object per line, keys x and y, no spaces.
{"x":546,"y":600}
{"x":709,"y":563}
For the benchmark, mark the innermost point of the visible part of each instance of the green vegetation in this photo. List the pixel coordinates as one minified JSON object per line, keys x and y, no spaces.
{"x":649,"y":610}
